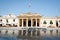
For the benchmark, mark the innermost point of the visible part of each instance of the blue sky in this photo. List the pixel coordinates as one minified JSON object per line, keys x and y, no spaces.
{"x":43,"y":7}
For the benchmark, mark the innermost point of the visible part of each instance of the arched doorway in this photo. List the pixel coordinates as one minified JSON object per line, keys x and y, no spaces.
{"x":57,"y":23}
{"x":29,"y":22}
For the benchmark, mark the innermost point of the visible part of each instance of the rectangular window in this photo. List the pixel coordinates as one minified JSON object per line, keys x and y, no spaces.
{"x":14,"y":20}
{"x":7,"y":20}
{"x":1,"y":20}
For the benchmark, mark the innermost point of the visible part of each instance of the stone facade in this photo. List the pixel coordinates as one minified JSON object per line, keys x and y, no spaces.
{"x":8,"y":20}
{"x":31,"y":20}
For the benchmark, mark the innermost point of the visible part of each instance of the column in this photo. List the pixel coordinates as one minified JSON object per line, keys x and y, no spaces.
{"x":22,"y":22}
{"x":18,"y":24}
{"x":27,"y":22}
{"x":31,"y":22}
{"x":36,"y":22}
{"x":39,"y":22}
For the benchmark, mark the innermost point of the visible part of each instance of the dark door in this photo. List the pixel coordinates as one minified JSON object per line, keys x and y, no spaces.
{"x":57,"y":23}
{"x":29,"y":22}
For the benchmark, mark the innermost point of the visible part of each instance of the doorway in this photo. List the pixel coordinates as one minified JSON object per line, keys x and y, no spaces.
{"x":29,"y":22}
{"x":57,"y":23}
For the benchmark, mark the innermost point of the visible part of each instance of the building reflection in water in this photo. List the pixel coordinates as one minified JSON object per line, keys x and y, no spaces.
{"x":38,"y":33}
{"x":31,"y":34}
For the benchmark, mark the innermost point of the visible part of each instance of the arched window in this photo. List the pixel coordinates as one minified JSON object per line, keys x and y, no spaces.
{"x":51,"y":22}
{"x":44,"y":22}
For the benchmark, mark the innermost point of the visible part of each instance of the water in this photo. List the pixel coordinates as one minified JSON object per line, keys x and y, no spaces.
{"x":31,"y":35}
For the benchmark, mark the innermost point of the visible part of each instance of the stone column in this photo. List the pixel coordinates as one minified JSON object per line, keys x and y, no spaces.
{"x":31,"y":22}
{"x":36,"y":22}
{"x":27,"y":22}
{"x":18,"y":23}
{"x":22,"y":22}
{"x":39,"y":22}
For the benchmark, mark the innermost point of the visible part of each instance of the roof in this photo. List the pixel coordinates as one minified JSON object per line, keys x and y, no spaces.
{"x":29,"y":14}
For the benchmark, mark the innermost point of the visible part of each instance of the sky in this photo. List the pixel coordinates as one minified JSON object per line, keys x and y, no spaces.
{"x":43,"y":7}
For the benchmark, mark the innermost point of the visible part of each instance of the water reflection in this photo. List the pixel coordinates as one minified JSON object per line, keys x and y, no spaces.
{"x":31,"y":35}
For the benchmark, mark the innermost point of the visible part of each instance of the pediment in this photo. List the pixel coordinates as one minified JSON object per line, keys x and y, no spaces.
{"x":29,"y":14}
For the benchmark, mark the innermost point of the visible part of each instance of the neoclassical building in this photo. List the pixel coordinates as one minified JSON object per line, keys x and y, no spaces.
{"x":29,"y":20}
{"x":35,"y":20}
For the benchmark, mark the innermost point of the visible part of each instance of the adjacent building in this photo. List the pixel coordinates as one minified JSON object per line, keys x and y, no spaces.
{"x":8,"y":21}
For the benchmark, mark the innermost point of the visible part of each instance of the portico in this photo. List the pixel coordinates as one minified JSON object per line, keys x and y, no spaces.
{"x":29,"y":20}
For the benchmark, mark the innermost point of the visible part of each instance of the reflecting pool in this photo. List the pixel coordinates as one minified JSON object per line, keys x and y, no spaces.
{"x":30,"y":35}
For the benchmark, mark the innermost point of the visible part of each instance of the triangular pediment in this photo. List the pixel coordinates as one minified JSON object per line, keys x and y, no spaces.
{"x":29,"y":14}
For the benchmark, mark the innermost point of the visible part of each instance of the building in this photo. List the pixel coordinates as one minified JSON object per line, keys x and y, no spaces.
{"x":29,"y":20}
{"x":8,"y":21}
